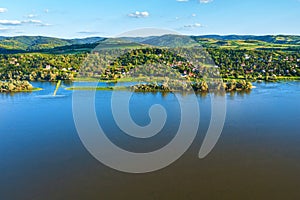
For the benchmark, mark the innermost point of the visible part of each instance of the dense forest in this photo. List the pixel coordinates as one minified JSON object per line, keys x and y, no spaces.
{"x":39,"y":67}
{"x":114,"y":64}
{"x":249,"y":65}
{"x":199,"y":86}
{"x":256,"y":64}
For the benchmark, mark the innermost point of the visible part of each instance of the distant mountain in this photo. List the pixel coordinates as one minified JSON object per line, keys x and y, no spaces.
{"x":21,"y":44}
{"x":32,"y":43}
{"x":89,"y":40}
{"x":113,"y":43}
{"x":275,"y":39}
{"x":170,"y":41}
{"x":137,"y":39}
{"x":93,"y":47}
{"x":164,"y":41}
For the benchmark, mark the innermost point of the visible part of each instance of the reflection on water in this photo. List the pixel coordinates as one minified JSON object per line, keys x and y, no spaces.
{"x":257,"y":157}
{"x":50,"y":96}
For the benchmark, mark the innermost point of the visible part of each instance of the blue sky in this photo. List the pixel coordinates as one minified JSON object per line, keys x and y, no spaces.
{"x":83,"y":18}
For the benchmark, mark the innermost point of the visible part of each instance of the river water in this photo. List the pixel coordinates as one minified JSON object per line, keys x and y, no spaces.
{"x":256,"y":157}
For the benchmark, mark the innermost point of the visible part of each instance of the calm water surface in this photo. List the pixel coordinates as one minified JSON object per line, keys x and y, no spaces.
{"x":257,"y":156}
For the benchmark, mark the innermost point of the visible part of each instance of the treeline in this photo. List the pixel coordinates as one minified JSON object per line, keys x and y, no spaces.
{"x":148,"y":62}
{"x":200,"y":86}
{"x":116,"y":63}
{"x":15,"y":86}
{"x":39,"y":67}
{"x":253,"y":65}
{"x":225,"y":63}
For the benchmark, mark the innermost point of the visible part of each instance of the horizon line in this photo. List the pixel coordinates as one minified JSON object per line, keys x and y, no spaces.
{"x":189,"y":35}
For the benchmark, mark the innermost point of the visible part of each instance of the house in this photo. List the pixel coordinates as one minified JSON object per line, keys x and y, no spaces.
{"x":48,"y":67}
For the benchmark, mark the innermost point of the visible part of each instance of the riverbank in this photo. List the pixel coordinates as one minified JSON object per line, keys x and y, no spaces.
{"x":143,"y":84}
{"x":158,"y":79}
{"x":176,"y":86}
{"x":12,"y":86}
{"x":88,"y":88}
{"x":121,"y":80}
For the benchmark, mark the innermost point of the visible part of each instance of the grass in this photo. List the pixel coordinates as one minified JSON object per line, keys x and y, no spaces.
{"x":124,"y":88}
{"x":288,"y":78}
{"x":160,"y":79}
{"x":121,"y":80}
{"x":87,"y":88}
{"x":245,"y":44}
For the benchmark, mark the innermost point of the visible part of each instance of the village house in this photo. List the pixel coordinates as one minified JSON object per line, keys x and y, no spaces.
{"x":48,"y":67}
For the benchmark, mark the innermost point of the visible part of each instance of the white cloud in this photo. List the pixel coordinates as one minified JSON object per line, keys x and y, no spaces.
{"x":35,"y":22}
{"x":138,"y":14}
{"x":182,"y":0}
{"x":205,"y":1}
{"x":196,"y":25}
{"x":2,"y":29}
{"x":3,"y":10}
{"x":19,"y":23}
{"x":194,"y":15}
{"x":10,"y":22}
{"x":32,"y":21}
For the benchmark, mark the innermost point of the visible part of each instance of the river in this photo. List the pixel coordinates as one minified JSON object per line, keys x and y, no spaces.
{"x":256,"y":157}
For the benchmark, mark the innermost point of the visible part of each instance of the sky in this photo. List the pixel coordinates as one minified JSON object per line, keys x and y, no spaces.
{"x":86,"y":18}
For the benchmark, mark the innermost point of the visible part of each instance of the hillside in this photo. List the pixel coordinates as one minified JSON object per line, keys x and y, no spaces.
{"x":291,"y":43}
{"x":23,"y":44}
{"x":279,"y":39}
{"x":113,"y":43}
{"x":33,"y":43}
{"x":170,"y":41}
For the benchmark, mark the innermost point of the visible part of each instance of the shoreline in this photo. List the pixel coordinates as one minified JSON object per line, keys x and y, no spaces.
{"x":133,"y":80}
{"x":128,"y":80}
{"x":22,"y":91}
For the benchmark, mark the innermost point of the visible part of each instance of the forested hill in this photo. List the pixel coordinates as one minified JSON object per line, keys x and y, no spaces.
{"x":278,"y":39}
{"x":24,"y":44}
{"x":34,"y":43}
